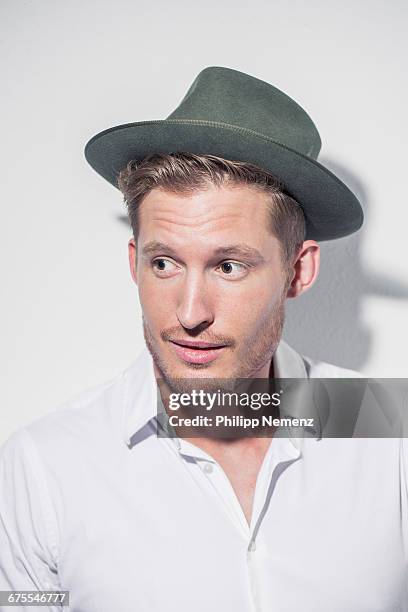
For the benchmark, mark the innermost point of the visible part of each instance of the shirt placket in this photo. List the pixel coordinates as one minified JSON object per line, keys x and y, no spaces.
{"x":281,"y":450}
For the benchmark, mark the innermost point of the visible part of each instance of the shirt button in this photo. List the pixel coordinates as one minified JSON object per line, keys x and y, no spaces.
{"x":208,"y":468}
{"x":252,"y":546}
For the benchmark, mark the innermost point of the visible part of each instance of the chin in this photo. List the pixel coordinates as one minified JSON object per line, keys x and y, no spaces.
{"x":183,"y":378}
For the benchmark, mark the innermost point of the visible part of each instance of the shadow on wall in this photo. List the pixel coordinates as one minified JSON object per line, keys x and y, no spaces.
{"x":326,"y":322}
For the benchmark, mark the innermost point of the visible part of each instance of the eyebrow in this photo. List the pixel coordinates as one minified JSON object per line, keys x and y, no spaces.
{"x":233,"y":250}
{"x":150,"y":248}
{"x":240,"y":250}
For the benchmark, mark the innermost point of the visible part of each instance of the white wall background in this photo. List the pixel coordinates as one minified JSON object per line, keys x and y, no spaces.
{"x":70,"y":316}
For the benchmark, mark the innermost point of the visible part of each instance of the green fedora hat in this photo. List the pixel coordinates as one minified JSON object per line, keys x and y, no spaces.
{"x":230,"y":114}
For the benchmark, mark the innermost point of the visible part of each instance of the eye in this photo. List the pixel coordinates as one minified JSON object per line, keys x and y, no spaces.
{"x":164,"y":267}
{"x":233,"y":269}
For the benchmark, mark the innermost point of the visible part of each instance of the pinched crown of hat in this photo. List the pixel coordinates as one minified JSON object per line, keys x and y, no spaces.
{"x":241,"y":118}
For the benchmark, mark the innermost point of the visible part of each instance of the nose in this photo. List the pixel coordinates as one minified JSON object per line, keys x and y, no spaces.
{"x":194,"y":306}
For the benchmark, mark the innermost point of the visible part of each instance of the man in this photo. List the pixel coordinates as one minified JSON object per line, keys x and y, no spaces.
{"x":226,"y":202}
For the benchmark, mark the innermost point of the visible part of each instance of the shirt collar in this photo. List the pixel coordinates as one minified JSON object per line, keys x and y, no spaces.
{"x":287,"y":363}
{"x":140,"y":388}
{"x":140,"y":395}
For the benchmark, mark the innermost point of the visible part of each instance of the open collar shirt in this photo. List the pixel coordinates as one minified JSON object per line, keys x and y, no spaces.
{"x":92,"y":501}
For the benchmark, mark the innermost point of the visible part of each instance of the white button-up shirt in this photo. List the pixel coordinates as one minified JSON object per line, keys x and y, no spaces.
{"x":93,"y":502}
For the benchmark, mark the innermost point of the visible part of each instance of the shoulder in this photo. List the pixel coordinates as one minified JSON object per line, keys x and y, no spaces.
{"x":291,"y":364}
{"x":88,"y":418}
{"x":86,"y":412}
{"x":323,"y":369}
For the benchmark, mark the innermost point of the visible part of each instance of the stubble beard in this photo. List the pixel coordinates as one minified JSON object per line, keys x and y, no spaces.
{"x":249,"y":361}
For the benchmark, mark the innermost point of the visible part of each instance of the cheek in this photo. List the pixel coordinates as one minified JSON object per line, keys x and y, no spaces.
{"x":247,"y":310}
{"x":157,"y":301}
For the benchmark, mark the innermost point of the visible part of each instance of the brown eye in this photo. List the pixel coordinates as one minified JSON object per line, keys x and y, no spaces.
{"x":164,"y":267}
{"x":161,"y":264}
{"x":227,"y":267}
{"x":233,"y":269}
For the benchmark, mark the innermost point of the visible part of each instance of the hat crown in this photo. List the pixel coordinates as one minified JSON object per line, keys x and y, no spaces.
{"x":238,"y":117}
{"x":224,"y":95}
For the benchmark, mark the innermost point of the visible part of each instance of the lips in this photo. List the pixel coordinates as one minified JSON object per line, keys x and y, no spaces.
{"x":197,"y":351}
{"x":197,"y":344}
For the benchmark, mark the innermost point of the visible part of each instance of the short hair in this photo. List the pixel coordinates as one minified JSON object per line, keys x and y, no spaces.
{"x":186,"y":173}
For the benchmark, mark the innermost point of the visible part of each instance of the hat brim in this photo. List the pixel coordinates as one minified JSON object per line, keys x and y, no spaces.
{"x":330,"y":208}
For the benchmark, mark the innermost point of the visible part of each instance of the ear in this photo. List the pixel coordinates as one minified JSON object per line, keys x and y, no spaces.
{"x":305,"y":269}
{"x":132,"y":252}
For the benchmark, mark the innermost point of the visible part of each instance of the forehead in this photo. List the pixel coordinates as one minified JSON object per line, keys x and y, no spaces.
{"x":213,"y":214}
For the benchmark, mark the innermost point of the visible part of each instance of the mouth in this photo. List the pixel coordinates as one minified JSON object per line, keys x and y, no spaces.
{"x":191,"y":351}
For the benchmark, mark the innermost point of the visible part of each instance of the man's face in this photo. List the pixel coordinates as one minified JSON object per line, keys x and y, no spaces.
{"x":211,"y":282}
